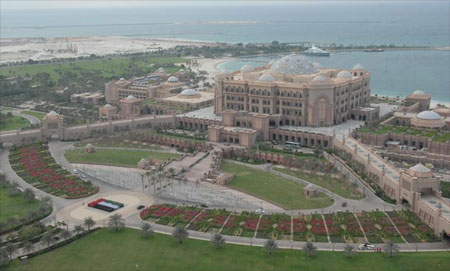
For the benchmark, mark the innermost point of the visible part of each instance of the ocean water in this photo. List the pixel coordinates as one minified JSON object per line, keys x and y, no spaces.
{"x":352,"y":22}
{"x":393,"y":73}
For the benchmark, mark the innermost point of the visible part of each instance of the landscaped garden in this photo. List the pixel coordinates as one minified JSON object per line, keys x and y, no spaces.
{"x":14,"y":204}
{"x":35,"y":165}
{"x":340,"y":227}
{"x":107,"y":250}
{"x":36,"y":114}
{"x":435,"y":135}
{"x":333,"y":184}
{"x":116,"y":157}
{"x":13,"y":122}
{"x":276,"y":189}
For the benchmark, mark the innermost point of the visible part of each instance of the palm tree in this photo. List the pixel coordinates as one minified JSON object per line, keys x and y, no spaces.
{"x":116,"y":222}
{"x":146,"y":230}
{"x":390,"y":248}
{"x":47,"y":238}
{"x":349,"y":251}
{"x":28,"y":246}
{"x":218,"y":240}
{"x":65,"y":234}
{"x":309,"y":249}
{"x":78,"y":229}
{"x":10,"y":249}
{"x":270,"y":246}
{"x":180,"y":233}
{"x":89,"y":222}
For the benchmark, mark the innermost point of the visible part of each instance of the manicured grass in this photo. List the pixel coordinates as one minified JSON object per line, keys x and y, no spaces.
{"x":274,"y":188}
{"x":39,"y":115}
{"x":439,"y":136}
{"x":116,"y":144}
{"x":15,"y":205}
{"x":13,"y":123}
{"x":106,"y":68}
{"x":127,"y":250}
{"x":126,"y":158}
{"x":337,"y":186}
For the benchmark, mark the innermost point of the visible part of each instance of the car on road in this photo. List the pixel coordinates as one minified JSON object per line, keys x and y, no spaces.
{"x":203,"y":205}
{"x":366,"y":246}
{"x":260,"y":211}
{"x":140,"y":207}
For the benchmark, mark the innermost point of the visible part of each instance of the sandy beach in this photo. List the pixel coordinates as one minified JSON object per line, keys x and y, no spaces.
{"x":23,"y":49}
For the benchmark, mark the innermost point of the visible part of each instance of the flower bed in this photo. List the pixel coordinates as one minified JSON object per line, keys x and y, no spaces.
{"x":209,"y":220}
{"x":309,"y":228}
{"x":378,"y":228}
{"x":243,"y":224}
{"x":411,"y":227}
{"x":179,"y":216}
{"x":275,"y":226}
{"x":156,"y":211}
{"x":343,"y":227}
{"x":36,"y":166}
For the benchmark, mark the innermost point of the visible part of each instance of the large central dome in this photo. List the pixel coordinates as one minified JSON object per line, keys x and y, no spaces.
{"x":293,"y":64}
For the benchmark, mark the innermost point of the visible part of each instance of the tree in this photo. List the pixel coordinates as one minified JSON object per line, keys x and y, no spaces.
{"x":4,"y":259}
{"x":28,"y":246}
{"x":349,"y":251}
{"x":180,"y":233}
{"x":390,"y":248}
{"x":309,"y":249}
{"x":89,"y":222}
{"x":28,"y":194}
{"x":78,"y":229}
{"x":218,"y":240}
{"x":10,"y":249}
{"x":116,"y":222}
{"x":146,"y":230}
{"x":65,"y":234}
{"x":270,"y":246}
{"x":48,"y":238}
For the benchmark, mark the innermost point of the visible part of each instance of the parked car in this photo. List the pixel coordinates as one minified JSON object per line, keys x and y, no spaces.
{"x":140,"y":207}
{"x":366,"y":246}
{"x":260,"y":211}
{"x":203,"y":205}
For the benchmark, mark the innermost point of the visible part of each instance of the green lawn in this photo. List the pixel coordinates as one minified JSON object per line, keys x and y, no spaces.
{"x":439,"y":136}
{"x":15,"y":205}
{"x":274,"y":188}
{"x":337,"y":186}
{"x":13,"y":123}
{"x":39,"y":115}
{"x":116,"y":144}
{"x":127,"y":250}
{"x":128,"y":158}
{"x":104,"y":67}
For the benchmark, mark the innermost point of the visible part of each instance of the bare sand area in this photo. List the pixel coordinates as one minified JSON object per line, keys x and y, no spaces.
{"x":23,"y":49}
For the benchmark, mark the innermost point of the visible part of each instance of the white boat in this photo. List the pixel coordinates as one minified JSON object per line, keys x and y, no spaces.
{"x":316,"y":51}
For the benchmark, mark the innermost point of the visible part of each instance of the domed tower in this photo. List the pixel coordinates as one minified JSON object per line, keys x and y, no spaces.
{"x":52,"y":125}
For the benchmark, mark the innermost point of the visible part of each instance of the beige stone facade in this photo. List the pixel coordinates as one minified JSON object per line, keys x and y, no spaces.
{"x":88,"y":98}
{"x":293,"y":91}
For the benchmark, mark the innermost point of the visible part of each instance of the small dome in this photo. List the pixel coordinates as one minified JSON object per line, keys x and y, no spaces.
{"x":358,"y":67}
{"x":293,"y":64}
{"x":247,"y":68}
{"x":418,"y":92}
{"x":173,"y":79}
{"x":160,"y":70}
{"x":318,"y":79}
{"x":52,"y":113}
{"x":420,"y":168}
{"x":142,"y":160}
{"x":428,"y":115}
{"x":344,"y":74}
{"x":317,"y":65}
{"x":267,"y":77}
{"x":181,"y":70}
{"x":89,"y":145}
{"x":130,"y":97}
{"x":108,"y":105}
{"x":122,"y":79}
{"x":189,"y":92}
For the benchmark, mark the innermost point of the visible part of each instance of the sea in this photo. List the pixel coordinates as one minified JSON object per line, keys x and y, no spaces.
{"x":394,"y":73}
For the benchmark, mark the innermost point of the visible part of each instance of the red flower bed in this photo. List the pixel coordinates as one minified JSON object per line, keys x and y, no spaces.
{"x":34,"y":160}
{"x":156,"y":210}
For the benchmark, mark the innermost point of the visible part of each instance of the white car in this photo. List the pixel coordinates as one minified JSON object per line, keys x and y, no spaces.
{"x":366,"y":246}
{"x":260,"y":211}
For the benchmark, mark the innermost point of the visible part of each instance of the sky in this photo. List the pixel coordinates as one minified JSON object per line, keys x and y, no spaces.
{"x":37,"y":4}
